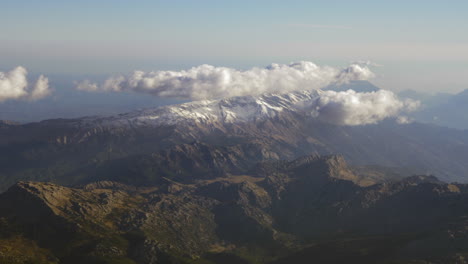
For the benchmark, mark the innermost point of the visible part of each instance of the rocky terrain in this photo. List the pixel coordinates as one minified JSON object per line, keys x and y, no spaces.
{"x":239,"y":180}
{"x":231,"y":134}
{"x":281,"y":212}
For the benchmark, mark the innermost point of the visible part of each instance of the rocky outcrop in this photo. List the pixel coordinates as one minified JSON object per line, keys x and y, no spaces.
{"x":277,"y":210}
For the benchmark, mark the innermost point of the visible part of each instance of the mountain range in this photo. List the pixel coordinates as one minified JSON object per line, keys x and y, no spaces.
{"x":313,"y":208}
{"x":443,"y":109}
{"x":253,"y":129}
{"x":236,"y":180}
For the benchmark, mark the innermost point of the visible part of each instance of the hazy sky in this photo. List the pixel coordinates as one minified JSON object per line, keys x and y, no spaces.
{"x":422,"y":45}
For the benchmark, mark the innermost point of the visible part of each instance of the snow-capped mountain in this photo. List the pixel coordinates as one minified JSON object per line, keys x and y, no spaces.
{"x":339,"y":108}
{"x":296,"y":123}
{"x":228,"y":110}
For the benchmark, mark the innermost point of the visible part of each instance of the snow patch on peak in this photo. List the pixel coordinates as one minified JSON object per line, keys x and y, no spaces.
{"x":228,"y":110}
{"x":339,"y":108}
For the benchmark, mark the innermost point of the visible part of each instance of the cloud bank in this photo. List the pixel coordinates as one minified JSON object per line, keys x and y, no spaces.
{"x":210,"y":82}
{"x":352,"y":108}
{"x":14,"y":85}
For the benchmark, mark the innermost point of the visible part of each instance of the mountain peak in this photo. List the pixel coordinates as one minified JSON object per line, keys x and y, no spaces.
{"x":228,"y":110}
{"x":358,"y":86}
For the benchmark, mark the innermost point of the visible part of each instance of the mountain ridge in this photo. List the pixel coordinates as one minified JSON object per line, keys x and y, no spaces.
{"x":67,"y":151}
{"x":281,"y":211}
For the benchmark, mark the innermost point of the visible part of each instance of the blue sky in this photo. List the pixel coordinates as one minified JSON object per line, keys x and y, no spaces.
{"x":422,"y":45}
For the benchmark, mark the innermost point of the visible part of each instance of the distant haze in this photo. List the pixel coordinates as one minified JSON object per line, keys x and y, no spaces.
{"x":422,"y":45}
{"x":156,"y":53}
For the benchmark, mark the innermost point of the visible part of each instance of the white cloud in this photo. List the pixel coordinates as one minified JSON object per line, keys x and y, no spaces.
{"x":14,"y":85}
{"x":41,"y":89}
{"x":352,"y":108}
{"x":354,"y":72}
{"x":403,"y":120}
{"x":86,"y":86}
{"x":209,"y":82}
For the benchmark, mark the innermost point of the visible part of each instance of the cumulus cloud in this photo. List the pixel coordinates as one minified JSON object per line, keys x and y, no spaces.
{"x":41,"y":89}
{"x":14,"y":85}
{"x":403,"y":120}
{"x":354,"y":72}
{"x":352,"y":108}
{"x":209,"y":82}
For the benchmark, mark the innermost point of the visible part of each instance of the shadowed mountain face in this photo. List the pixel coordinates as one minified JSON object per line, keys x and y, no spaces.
{"x":240,"y":180}
{"x":80,"y":151}
{"x":283,"y":212}
{"x":451,"y":113}
{"x":443,"y":109}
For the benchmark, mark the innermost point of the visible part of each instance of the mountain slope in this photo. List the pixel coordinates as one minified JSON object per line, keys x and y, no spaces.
{"x":231,"y":110}
{"x":281,"y":210}
{"x":234,"y":133}
{"x":443,"y":109}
